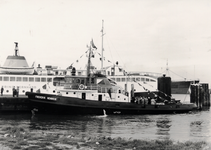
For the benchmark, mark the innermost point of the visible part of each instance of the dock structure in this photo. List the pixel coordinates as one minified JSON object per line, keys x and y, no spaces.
{"x":14,"y":104}
{"x":200,"y":95}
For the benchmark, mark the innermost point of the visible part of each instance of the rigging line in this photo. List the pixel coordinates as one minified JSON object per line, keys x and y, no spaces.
{"x":149,"y":90}
{"x":145,"y":82}
{"x":108,"y":40}
{"x":153,"y":92}
{"x":177,"y":74}
{"x":131,"y":76}
{"x":109,"y":48}
{"x":79,"y":58}
{"x":105,"y":58}
{"x":167,"y":72}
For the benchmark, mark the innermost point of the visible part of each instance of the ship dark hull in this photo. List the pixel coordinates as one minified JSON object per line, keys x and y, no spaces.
{"x":52,"y":104}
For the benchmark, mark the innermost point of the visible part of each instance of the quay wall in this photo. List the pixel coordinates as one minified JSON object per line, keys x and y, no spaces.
{"x":14,"y":104}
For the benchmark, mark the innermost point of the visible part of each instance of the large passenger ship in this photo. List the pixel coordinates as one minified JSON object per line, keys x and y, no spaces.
{"x":16,"y":74}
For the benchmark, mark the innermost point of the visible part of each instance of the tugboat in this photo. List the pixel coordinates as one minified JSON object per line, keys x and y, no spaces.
{"x":96,"y":94}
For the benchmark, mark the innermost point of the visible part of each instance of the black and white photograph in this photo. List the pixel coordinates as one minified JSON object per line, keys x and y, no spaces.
{"x":105,"y":74}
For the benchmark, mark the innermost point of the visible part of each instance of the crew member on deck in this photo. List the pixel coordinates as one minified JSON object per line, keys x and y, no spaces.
{"x":109,"y":92}
{"x":2,"y":90}
{"x":149,"y":100}
{"x":17,"y":92}
{"x":13,"y":92}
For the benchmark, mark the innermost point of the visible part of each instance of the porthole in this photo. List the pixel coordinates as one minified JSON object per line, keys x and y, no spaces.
{"x":66,"y":92}
{"x":53,"y":91}
{"x":23,"y":91}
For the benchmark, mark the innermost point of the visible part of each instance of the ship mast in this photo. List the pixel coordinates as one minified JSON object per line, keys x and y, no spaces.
{"x":88,"y":65}
{"x":167,"y":68}
{"x":90,"y":52}
{"x":102,"y":46}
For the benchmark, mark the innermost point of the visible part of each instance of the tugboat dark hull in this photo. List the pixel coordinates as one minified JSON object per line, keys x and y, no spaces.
{"x":46,"y":103}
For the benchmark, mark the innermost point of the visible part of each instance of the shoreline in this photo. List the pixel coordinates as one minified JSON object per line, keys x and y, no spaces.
{"x":19,"y":138}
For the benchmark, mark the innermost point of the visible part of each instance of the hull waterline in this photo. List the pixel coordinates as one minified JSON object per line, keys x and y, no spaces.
{"x":45,"y":103}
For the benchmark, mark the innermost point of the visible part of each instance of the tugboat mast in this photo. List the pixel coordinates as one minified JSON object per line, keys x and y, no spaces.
{"x":102,"y":46}
{"x":90,"y":54}
{"x":88,"y":65}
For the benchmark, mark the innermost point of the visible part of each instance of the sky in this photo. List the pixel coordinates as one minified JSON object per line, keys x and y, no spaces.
{"x":142,"y":35}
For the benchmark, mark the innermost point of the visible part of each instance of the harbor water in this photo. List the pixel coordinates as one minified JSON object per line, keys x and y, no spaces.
{"x":193,"y":126}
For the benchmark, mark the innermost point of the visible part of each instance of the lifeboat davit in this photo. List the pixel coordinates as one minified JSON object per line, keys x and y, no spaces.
{"x":16,"y":64}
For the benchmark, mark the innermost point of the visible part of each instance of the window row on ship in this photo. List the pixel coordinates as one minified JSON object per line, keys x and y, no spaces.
{"x":25,"y":79}
{"x":138,"y":79}
{"x":49,"y":79}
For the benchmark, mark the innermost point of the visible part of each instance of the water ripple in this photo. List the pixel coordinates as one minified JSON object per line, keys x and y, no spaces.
{"x":177,"y":127}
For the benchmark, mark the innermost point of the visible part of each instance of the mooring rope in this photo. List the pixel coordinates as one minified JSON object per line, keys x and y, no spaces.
{"x":128,"y":76}
{"x":153,"y":92}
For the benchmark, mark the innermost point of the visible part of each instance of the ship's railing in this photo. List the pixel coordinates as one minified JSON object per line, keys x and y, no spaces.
{"x":152,"y":74}
{"x":100,"y":89}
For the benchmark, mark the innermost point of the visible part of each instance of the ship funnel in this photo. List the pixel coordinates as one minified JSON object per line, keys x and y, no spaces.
{"x":16,"y":48}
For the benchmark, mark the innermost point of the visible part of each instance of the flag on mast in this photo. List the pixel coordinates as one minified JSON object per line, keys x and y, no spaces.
{"x":93,"y":45}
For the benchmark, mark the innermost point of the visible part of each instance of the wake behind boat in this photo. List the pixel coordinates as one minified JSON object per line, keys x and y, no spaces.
{"x":96,"y":94}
